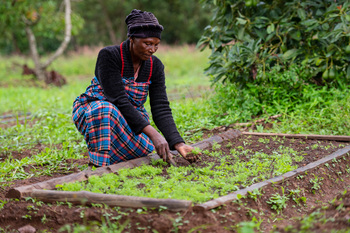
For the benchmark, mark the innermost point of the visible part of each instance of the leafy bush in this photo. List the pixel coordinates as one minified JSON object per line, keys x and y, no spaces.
{"x":277,"y":92}
{"x":246,"y":36}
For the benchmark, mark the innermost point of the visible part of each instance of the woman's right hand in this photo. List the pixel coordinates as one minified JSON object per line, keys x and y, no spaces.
{"x":159,"y":142}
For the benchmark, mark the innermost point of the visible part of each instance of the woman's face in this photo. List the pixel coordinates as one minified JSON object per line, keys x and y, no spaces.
{"x":143,"y":48}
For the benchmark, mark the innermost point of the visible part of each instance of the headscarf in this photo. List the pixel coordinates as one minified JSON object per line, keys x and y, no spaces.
{"x":143,"y":24}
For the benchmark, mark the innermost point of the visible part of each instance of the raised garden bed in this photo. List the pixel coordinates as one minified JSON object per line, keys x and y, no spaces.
{"x":315,"y":183}
{"x":223,"y":168}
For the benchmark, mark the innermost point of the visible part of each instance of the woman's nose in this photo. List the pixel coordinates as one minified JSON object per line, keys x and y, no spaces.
{"x":153,"y":49}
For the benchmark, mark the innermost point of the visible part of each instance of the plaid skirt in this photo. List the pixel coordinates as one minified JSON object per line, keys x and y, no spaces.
{"x":108,"y":136}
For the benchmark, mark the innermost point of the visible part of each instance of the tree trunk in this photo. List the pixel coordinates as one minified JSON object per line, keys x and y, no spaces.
{"x":40,"y":68}
{"x":67,"y":36}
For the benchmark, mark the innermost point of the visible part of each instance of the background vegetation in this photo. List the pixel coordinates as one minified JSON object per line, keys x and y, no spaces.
{"x":287,"y":88}
{"x":96,"y":22}
{"x":249,"y":35}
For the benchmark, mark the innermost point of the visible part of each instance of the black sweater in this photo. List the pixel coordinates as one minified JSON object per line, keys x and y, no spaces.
{"x":108,"y":72}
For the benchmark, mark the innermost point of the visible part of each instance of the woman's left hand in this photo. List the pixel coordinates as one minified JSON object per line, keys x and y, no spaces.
{"x":185,"y":151}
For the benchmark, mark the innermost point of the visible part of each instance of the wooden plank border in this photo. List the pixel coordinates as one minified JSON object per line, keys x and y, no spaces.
{"x":26,"y":191}
{"x":234,"y":196}
{"x":303,"y":136}
{"x":88,"y":198}
{"x":49,"y":195}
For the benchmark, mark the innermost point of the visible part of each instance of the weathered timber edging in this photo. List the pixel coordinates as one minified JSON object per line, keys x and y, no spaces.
{"x":303,"y":136}
{"x":87,"y":198}
{"x":49,"y":195}
{"x":234,"y":196}
{"x":26,"y":191}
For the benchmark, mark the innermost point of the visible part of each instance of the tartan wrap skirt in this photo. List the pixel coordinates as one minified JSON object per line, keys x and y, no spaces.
{"x":108,"y":136}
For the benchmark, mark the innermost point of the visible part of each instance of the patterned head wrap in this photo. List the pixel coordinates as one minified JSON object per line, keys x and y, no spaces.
{"x":143,"y":24}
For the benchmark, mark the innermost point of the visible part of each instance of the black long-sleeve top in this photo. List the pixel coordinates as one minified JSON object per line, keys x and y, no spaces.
{"x":108,"y":72}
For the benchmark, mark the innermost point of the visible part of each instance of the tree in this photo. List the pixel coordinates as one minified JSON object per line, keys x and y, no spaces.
{"x":40,"y":19}
{"x":251,"y":35}
{"x":183,"y":21}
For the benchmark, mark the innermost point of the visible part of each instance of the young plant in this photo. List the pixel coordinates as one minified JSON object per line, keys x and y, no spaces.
{"x":278,"y":202}
{"x":255,"y":194}
{"x":316,"y":183}
{"x":296,"y":196}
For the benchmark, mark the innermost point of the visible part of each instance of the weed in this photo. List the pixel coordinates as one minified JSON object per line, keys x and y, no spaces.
{"x":27,"y":216}
{"x":264,"y":140}
{"x":2,"y":203}
{"x":196,"y":151}
{"x":44,"y":219}
{"x":295,"y":194}
{"x":278,"y":202}
{"x":316,"y":182}
{"x":255,"y":194}
{"x":216,"y":146}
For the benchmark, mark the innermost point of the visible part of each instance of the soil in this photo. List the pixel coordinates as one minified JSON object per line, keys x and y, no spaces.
{"x":334,"y":179}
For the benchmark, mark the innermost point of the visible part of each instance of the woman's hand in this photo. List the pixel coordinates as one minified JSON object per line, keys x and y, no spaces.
{"x":159,"y":142}
{"x":186,"y":152}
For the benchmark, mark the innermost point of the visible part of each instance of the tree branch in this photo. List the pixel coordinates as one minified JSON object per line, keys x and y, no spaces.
{"x":67,"y":37}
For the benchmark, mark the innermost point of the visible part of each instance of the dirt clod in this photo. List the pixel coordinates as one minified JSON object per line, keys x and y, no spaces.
{"x":27,"y":229}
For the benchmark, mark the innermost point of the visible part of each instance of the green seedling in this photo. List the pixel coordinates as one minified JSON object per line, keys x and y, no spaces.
{"x":196,"y":151}
{"x":316,"y":183}
{"x":2,"y":203}
{"x":295,"y":194}
{"x":216,"y":146}
{"x":278,"y":202}
{"x":255,"y":194}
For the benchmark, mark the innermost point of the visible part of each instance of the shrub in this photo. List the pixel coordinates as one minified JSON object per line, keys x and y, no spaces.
{"x":246,"y":36}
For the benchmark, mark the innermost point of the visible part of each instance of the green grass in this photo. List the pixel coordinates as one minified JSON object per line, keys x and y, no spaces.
{"x":321,"y":110}
{"x":50,"y":107}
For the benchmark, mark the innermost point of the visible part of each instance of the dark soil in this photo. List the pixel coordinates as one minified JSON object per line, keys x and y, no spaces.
{"x":311,"y":150}
{"x":334,"y":179}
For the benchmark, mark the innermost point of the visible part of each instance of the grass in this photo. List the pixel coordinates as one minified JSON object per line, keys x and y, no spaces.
{"x":322,"y":111}
{"x":50,"y":121}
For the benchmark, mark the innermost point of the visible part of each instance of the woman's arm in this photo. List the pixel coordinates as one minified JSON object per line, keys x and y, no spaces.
{"x":161,"y":111}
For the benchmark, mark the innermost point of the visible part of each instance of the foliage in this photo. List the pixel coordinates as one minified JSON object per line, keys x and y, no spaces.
{"x":47,"y":18}
{"x":183,"y":21}
{"x":247,"y":36}
{"x":316,"y":182}
{"x":305,"y":108}
{"x":278,"y":202}
{"x":104,"y":23}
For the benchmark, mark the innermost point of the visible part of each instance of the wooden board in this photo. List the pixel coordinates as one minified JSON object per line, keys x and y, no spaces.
{"x":87,"y":198}
{"x":304,"y":136}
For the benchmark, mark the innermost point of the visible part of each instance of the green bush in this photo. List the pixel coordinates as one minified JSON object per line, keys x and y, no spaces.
{"x":248,"y":36}
{"x":276,"y":92}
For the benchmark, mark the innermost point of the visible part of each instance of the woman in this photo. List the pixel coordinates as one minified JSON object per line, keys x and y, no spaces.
{"x":111,"y":115}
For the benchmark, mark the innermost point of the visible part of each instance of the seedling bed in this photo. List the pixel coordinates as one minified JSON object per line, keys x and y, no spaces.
{"x":223,"y":168}
{"x":317,"y":186}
